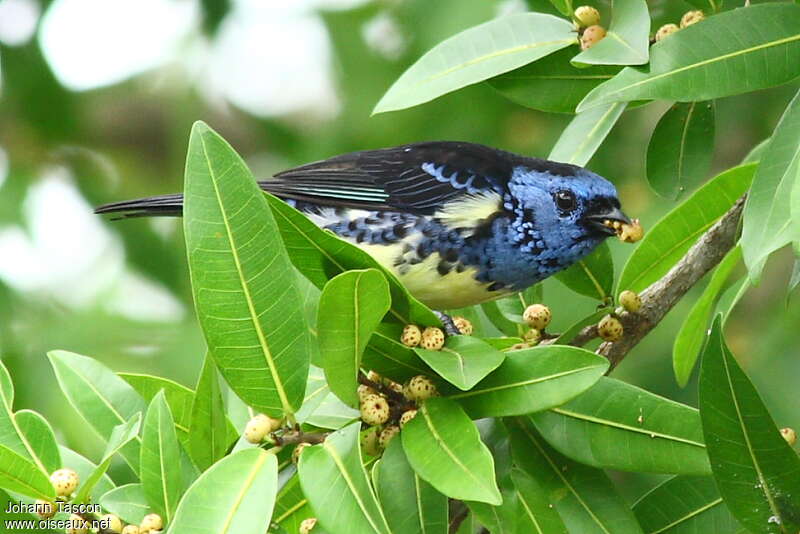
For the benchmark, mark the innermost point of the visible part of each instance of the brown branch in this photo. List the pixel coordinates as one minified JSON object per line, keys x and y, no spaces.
{"x":662,"y":295}
{"x":294,"y":436}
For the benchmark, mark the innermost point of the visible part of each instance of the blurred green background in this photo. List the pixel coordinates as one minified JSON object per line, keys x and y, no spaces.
{"x":96,"y":101}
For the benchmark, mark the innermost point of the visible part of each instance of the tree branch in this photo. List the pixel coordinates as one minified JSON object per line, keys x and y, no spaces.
{"x":662,"y":295}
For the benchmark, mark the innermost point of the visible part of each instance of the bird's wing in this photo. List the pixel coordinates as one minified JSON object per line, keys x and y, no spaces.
{"x":419,"y":178}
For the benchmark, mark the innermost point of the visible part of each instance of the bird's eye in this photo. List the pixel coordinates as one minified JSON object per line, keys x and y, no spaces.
{"x":565,"y":200}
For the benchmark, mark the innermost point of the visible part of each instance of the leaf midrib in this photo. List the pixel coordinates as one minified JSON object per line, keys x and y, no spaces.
{"x":523,"y":383}
{"x":240,"y":496}
{"x":287,"y":408}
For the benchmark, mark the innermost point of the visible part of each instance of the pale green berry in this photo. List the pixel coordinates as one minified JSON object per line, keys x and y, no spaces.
{"x":112,"y":523}
{"x":419,"y":388}
{"x":463,"y":325}
{"x":533,"y":336}
{"x":130,"y":529}
{"x":609,"y":328}
{"x":407,"y":416}
{"x":537,"y":316}
{"x":411,"y":336}
{"x":586,"y":16}
{"x":64,"y":481}
{"x":369,"y":441}
{"x":789,"y":435}
{"x":591,"y":36}
{"x":151,"y":522}
{"x":77,"y":525}
{"x":630,"y":301}
{"x":432,"y":338}
{"x":44,"y":509}
{"x":307,"y":525}
{"x":258,"y":427}
{"x":374,"y":410}
{"x":691,"y":17}
{"x":663,"y":32}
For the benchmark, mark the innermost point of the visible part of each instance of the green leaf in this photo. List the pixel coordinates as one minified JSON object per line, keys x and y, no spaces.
{"x":532,"y":380}
{"x":336,"y":485}
{"x":552,"y":84}
{"x":574,"y":329}
{"x":411,"y":505}
{"x":179,"y":397}
{"x":692,"y":335}
{"x":477,"y":54}
{"x":236,"y":495}
{"x":734,"y":52}
{"x":756,"y":471}
{"x":103,"y":399}
{"x":39,"y":438}
{"x":757,"y":152}
{"x":627,"y":41}
{"x":6,"y":386}
{"x":676,"y":232}
{"x":463,"y":361}
{"x":11,"y":435}
{"x":128,"y":502}
{"x":615,"y":425}
{"x":121,"y":435}
{"x":351,"y":306}
{"x":161,"y":476}
{"x":20,"y":475}
{"x":684,"y":505}
{"x":444,"y":448}
{"x":319,"y":255}
{"x":767,"y":211}
{"x":583,"y":496}
{"x":563,"y":6}
{"x":585,"y":133}
{"x":321,"y":408}
{"x":291,"y":506}
{"x":210,"y":432}
{"x":592,"y":276}
{"x":680,"y":149}
{"x":536,"y":514}
{"x":499,"y":319}
{"x":245,"y":289}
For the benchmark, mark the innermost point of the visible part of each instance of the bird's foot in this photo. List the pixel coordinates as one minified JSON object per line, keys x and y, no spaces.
{"x":449,"y":326}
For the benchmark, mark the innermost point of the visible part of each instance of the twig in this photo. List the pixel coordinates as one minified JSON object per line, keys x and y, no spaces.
{"x":294,"y":436}
{"x":458,"y":513}
{"x":662,"y":295}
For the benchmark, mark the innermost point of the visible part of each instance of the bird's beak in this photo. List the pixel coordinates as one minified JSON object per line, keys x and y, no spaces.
{"x":603,"y":221}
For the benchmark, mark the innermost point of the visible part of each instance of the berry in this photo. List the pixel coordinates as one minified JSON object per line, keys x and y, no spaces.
{"x":130,"y":529}
{"x":419,"y":388}
{"x":532,"y":337}
{"x":387,"y":434}
{"x":432,"y":338}
{"x":151,"y":522}
{"x":307,"y":525}
{"x":691,"y":17}
{"x":374,"y":410}
{"x":609,"y":328}
{"x":363,"y":391}
{"x":369,"y":441}
{"x":411,"y":335}
{"x":394,"y":386}
{"x":407,"y":416}
{"x":77,"y":525}
{"x":537,"y":316}
{"x":591,"y":36}
{"x":664,"y":31}
{"x":298,"y":451}
{"x":372,"y":376}
{"x":519,"y":346}
{"x":630,"y":301}
{"x":789,"y":435}
{"x":631,"y":233}
{"x":463,"y":325}
{"x":259,"y":426}
{"x":64,"y":481}
{"x":44,"y":509}
{"x":112,"y":522}
{"x":586,"y":16}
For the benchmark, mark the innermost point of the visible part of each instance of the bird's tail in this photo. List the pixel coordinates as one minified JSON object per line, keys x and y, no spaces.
{"x":160,"y":206}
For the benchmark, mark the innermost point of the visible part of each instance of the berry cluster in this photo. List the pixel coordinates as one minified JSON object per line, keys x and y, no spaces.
{"x":65,"y":481}
{"x":587,"y":19}
{"x":610,"y":327}
{"x":386,"y":407}
{"x":432,"y":338}
{"x":688,"y":18}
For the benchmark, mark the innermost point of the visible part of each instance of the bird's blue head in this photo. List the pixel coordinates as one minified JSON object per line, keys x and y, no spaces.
{"x":557,"y":213}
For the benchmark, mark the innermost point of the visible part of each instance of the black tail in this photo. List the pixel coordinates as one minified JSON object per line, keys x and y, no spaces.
{"x":160,"y":206}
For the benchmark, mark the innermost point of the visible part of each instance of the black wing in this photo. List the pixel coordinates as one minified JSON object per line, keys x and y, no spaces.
{"x":418,"y":177}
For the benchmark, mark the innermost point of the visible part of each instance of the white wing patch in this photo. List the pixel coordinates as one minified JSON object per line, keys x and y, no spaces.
{"x":470,"y":210}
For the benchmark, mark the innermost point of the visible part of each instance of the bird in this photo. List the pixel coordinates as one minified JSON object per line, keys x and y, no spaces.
{"x":457,"y":223}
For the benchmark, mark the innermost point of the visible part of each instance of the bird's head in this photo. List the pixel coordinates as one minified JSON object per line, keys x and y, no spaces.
{"x":566,"y":203}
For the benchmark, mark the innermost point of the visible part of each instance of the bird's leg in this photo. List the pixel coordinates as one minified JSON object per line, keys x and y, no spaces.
{"x":449,"y":326}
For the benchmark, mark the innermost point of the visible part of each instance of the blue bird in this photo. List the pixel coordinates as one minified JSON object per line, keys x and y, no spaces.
{"x":458,"y":223}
